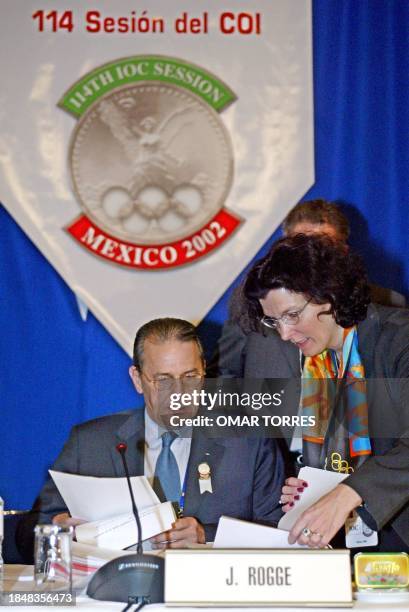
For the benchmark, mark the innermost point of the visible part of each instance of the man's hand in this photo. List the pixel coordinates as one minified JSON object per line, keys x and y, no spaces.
{"x":184,"y":531}
{"x":325,"y":517}
{"x":65,"y":519}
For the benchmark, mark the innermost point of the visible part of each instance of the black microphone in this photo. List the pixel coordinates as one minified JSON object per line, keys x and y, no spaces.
{"x":132,"y":578}
{"x":122,"y":448}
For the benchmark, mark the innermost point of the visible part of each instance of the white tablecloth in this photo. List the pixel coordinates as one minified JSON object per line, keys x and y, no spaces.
{"x":19,"y":578}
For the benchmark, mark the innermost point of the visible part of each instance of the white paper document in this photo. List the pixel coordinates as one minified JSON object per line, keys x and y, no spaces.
{"x":91,"y":498}
{"x":234,"y":533}
{"x":319,"y":482}
{"x":121,"y":531}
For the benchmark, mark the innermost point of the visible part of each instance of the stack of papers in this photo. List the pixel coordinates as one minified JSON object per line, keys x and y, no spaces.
{"x":121,"y":531}
{"x":105,"y":505}
{"x":87,"y":559}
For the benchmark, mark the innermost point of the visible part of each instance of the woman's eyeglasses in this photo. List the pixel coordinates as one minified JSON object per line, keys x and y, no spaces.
{"x":289,"y":318}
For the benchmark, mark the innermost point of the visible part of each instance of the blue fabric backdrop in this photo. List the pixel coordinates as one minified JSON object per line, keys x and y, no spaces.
{"x":57,"y":370}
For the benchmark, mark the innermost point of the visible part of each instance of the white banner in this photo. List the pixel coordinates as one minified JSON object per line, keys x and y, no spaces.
{"x":149,"y":150}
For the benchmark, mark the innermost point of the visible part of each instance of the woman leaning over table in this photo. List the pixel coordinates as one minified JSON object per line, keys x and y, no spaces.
{"x":313,"y":292}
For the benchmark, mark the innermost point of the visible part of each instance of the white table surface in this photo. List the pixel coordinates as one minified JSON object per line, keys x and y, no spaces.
{"x":16,"y":578}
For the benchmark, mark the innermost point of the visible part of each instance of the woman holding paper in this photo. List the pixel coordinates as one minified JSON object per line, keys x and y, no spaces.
{"x":311,"y":296}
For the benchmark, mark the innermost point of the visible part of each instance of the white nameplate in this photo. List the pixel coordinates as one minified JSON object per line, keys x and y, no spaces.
{"x":258,"y":578}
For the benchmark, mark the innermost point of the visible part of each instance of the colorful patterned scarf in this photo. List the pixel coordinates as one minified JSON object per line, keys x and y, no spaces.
{"x":335,"y":394}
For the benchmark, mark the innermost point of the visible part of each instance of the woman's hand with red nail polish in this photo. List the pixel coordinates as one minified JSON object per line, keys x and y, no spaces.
{"x":289,"y":492}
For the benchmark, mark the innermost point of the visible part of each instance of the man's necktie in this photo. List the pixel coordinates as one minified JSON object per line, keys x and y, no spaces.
{"x":167,"y":471}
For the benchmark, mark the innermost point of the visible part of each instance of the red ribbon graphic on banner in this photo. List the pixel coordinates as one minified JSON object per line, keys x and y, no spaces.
{"x":151,"y":256}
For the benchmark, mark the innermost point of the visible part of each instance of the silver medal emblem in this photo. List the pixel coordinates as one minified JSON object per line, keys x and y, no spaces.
{"x":151,"y":162}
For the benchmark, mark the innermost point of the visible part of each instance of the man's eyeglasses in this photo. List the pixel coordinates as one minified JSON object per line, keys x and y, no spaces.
{"x":188,"y":382}
{"x":289,"y":318}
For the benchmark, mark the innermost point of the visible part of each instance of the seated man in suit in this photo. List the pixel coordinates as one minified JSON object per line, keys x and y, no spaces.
{"x":246,"y":473}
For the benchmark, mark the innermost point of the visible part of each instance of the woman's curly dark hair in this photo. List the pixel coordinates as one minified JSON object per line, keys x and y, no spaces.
{"x":316,"y":266}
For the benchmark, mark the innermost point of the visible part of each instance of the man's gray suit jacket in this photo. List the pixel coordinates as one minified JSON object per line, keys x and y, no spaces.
{"x":247,"y":473}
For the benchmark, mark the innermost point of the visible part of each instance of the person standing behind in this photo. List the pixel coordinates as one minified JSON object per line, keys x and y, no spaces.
{"x":322,"y":217}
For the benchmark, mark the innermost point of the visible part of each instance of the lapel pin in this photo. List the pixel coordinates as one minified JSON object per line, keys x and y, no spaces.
{"x":204,"y":471}
{"x":205,"y":481}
